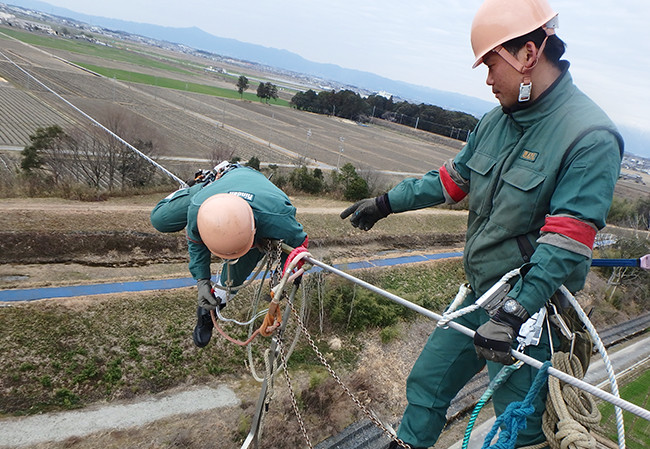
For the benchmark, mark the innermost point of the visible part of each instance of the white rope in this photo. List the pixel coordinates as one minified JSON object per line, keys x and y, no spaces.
{"x":451,"y":314}
{"x":241,"y":323}
{"x":615,"y":400}
{"x":608,"y":364}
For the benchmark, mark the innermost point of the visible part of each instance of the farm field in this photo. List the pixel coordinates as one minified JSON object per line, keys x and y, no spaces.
{"x":192,"y":125}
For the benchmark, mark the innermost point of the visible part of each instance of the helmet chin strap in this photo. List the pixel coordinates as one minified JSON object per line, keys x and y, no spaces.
{"x":526,"y":86}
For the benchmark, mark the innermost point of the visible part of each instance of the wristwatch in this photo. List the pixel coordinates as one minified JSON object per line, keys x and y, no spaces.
{"x":513,"y":307}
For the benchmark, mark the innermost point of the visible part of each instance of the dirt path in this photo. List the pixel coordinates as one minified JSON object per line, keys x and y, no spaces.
{"x":303,"y":205}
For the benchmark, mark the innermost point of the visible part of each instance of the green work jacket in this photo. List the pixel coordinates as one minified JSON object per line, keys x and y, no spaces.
{"x":540,"y":182}
{"x":275,"y":216}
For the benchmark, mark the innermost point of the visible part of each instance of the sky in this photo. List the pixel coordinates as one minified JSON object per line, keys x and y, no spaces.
{"x":420,"y":42}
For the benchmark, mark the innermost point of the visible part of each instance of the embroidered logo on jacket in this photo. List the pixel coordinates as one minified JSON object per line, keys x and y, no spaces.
{"x":247,"y":196}
{"x":529,"y":156}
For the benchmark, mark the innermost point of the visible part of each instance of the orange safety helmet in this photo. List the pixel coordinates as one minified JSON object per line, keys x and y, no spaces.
{"x":226,"y":225}
{"x":498,"y":21}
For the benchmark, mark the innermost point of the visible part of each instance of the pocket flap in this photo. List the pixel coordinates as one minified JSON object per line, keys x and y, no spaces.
{"x":523,"y":179}
{"x":481,"y":163}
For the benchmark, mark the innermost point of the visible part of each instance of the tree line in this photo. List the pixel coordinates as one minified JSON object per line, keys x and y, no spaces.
{"x":349,"y":104}
{"x":265,"y":91}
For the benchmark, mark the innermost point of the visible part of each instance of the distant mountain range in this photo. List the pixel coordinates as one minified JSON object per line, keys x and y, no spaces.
{"x":196,"y":38}
{"x":637,"y":141}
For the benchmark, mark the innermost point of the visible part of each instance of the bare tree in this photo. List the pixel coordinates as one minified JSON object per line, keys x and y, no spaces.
{"x":220,"y":154}
{"x":125,"y":165}
{"x":90,"y":155}
{"x":377,"y":181}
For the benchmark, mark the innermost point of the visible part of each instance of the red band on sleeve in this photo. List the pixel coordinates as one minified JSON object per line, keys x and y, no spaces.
{"x":455,"y":192}
{"x":572,"y":228}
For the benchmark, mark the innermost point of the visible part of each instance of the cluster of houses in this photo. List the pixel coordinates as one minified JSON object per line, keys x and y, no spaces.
{"x":637,"y":164}
{"x":28,"y":25}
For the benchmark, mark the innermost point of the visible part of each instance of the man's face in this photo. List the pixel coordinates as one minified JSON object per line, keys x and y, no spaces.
{"x":503,"y":79}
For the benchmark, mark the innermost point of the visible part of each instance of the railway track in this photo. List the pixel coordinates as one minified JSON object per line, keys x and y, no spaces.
{"x":619,"y":333}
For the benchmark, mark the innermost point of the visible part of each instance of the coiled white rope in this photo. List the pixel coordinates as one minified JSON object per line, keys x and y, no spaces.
{"x":571,"y":415}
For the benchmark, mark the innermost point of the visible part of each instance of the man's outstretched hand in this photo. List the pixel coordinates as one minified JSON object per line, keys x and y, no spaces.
{"x":365,"y":213}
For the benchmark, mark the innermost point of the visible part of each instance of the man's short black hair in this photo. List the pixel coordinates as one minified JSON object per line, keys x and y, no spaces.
{"x":553,"y":50}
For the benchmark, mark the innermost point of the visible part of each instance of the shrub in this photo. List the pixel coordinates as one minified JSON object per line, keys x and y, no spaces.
{"x":353,"y":186}
{"x":356,"y":190}
{"x":301,"y":179}
{"x":253,"y":162}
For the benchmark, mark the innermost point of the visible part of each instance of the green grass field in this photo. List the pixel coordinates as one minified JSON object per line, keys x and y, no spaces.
{"x":637,"y":430}
{"x":131,"y":57}
{"x":91,"y":49}
{"x":170,"y":83}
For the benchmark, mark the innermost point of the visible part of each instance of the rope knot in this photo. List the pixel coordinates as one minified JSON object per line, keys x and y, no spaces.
{"x":514,"y":417}
{"x":574,"y":435}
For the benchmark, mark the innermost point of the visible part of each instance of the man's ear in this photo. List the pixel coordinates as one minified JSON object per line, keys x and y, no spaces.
{"x":531,"y":54}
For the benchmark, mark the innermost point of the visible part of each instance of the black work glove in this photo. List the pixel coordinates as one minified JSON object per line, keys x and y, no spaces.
{"x":206,"y":298}
{"x":493,"y":340}
{"x":366,"y":213}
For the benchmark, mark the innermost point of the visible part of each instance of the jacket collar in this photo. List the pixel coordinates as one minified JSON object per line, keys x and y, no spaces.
{"x":526,"y":114}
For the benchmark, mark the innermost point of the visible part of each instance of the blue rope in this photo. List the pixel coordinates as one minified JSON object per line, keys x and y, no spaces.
{"x":514,"y":417}
{"x":499,"y":379}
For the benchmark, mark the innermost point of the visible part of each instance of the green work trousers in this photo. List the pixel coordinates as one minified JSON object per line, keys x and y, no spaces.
{"x":447,"y":362}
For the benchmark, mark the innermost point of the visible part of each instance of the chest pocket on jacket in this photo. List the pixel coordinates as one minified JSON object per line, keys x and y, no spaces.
{"x":518,"y":203}
{"x":481,"y":166}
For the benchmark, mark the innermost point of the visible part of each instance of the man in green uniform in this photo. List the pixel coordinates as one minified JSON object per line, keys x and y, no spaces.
{"x":539,"y":172}
{"x":229,"y":217}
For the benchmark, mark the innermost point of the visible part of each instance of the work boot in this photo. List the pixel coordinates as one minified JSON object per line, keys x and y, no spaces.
{"x":203,"y":329}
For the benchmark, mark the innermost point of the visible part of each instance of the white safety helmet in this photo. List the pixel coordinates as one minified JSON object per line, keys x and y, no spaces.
{"x":226,"y":225}
{"x":498,"y":21}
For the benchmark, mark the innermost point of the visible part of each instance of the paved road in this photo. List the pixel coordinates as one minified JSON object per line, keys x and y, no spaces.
{"x":17,"y":432}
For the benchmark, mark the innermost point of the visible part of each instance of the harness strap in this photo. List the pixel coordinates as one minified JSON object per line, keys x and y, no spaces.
{"x":525,"y":247}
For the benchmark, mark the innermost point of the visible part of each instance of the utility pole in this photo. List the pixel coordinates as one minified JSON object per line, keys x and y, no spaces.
{"x":307,"y":143}
{"x":271,"y":128}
